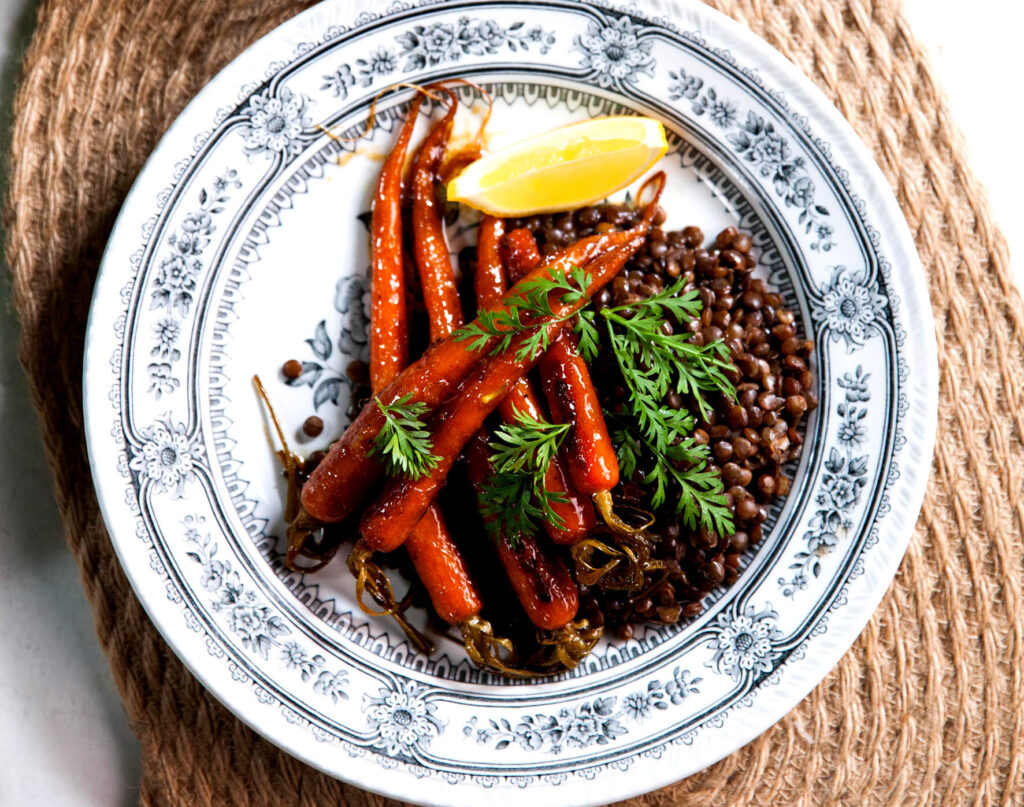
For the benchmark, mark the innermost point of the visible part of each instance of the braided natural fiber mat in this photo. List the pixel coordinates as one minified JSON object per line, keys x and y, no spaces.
{"x":929,"y":704}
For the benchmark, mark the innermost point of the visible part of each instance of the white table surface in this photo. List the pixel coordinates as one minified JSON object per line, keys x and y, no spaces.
{"x":64,"y":739}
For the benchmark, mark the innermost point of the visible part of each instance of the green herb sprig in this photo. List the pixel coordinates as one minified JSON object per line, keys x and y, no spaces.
{"x":652,"y":361}
{"x":654,"y":443}
{"x":701,"y":498}
{"x":403,"y":442}
{"x":531,"y":308}
{"x":515,"y":499}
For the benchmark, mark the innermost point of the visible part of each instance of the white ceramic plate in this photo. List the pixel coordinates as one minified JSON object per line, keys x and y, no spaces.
{"x":240,"y":246}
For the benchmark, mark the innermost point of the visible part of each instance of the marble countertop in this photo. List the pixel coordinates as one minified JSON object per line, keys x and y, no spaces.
{"x":64,"y":737}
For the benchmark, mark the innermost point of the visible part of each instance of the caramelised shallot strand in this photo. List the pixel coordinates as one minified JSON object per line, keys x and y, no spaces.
{"x":348,"y":474}
{"x":471,"y":152}
{"x":575,"y":514}
{"x":440,"y":295}
{"x":387,"y":521}
{"x":389,"y":330}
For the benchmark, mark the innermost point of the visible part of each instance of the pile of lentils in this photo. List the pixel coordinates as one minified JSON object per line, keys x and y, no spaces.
{"x":752,"y":438}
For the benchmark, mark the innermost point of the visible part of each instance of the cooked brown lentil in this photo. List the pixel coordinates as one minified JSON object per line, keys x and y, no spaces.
{"x":291,"y":369}
{"x":313,"y":426}
{"x":752,"y":438}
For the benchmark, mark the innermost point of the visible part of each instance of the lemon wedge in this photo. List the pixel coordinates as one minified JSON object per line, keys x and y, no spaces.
{"x":565,"y":168}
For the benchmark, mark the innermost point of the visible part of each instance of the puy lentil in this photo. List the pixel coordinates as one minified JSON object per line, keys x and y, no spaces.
{"x":313,"y":426}
{"x":751,"y":438}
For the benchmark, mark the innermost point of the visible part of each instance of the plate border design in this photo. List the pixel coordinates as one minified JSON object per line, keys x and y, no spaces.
{"x":413,"y":754}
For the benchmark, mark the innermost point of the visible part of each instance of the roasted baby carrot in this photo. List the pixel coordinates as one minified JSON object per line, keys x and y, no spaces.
{"x":520,"y":254}
{"x":540,"y":578}
{"x":430,"y":249}
{"x":572,"y":399}
{"x":389,"y":331}
{"x":490,"y":281}
{"x":349,"y":473}
{"x":569,"y":390}
{"x":575,"y":514}
{"x":437,"y":560}
{"x":403,"y":501}
{"x":442,"y":569}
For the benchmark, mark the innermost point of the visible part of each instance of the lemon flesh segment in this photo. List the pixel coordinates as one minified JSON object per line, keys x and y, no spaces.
{"x":565,"y":168}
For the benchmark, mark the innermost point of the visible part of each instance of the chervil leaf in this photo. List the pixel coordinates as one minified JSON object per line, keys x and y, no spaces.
{"x":653,"y":441}
{"x":589,"y":338}
{"x":514,"y":500}
{"x":404,"y":443}
{"x":531,"y":308}
{"x":653,"y":362}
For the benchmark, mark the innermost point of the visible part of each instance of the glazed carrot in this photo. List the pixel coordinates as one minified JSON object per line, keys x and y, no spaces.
{"x":572,"y":399}
{"x":440,"y":294}
{"x":348,"y":474}
{"x":389,"y":331}
{"x":437,"y":560}
{"x":519,"y":252}
{"x":575,"y":513}
{"x":403,"y":502}
{"x":489,"y":281}
{"x":569,"y":390}
{"x":541,"y":581}
{"x":442,"y":569}
{"x":540,"y":578}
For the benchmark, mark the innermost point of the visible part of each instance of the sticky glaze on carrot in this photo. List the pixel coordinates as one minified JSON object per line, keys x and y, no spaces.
{"x":346,"y":477}
{"x":575,"y":513}
{"x":438,"y":562}
{"x":388,"y":520}
{"x":430,"y":248}
{"x":489,"y":281}
{"x":569,"y":390}
{"x":389,"y":330}
{"x":572,"y":399}
{"x":520,"y":254}
{"x":539,"y":577}
{"x":442,"y":569}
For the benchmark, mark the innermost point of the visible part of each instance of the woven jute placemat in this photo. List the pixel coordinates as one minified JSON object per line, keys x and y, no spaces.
{"x":926,"y":707}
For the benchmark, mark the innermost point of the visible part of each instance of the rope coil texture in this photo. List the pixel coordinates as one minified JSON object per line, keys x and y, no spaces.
{"x":927,"y":706}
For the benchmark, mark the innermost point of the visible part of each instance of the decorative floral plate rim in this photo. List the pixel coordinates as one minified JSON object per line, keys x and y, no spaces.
{"x":351,"y":708}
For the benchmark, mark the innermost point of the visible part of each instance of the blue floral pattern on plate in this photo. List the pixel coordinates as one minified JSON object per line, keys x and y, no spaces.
{"x":179,"y":341}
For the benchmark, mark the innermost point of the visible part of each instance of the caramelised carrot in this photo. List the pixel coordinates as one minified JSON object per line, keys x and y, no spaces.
{"x":438,"y":562}
{"x":575,"y":513}
{"x":569,"y":390}
{"x":519,"y":253}
{"x":572,"y":399}
{"x":346,"y":477}
{"x":434,"y":554}
{"x":440,"y":295}
{"x":540,"y":578}
{"x":389,"y":330}
{"x":490,"y":280}
{"x":442,"y":569}
{"x":387,"y":521}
